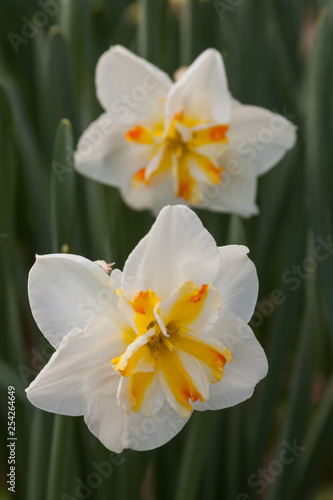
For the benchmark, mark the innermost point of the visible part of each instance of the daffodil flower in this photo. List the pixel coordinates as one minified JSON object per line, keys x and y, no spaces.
{"x":187,"y":142}
{"x":139,"y":350}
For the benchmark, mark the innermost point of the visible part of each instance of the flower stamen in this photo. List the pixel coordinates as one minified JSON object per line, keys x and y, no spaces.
{"x":181,"y":143}
{"x":163,"y":344}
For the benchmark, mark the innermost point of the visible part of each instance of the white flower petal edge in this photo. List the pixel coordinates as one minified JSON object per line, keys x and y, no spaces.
{"x":117,"y":431}
{"x":202,"y":90}
{"x":154,"y":199}
{"x":237,"y":281}
{"x":153,"y":400}
{"x":128,"y":86}
{"x":63,"y":292}
{"x":77,"y":379}
{"x":248,"y":366}
{"x":161,"y":262}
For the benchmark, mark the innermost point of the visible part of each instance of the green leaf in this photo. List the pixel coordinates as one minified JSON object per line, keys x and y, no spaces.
{"x":296,"y":415}
{"x":38,"y":454}
{"x":281,"y":333}
{"x":63,"y":189}
{"x":276,"y":187}
{"x":318,"y":448}
{"x":60,"y":95}
{"x":59,"y":453}
{"x":320,"y":150}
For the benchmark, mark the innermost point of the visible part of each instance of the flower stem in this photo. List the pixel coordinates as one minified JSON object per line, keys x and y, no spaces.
{"x":37,"y":456}
{"x":188,"y":30}
{"x":145,"y":29}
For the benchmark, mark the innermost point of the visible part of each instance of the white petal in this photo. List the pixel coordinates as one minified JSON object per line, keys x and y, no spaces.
{"x":79,"y":378}
{"x":123,"y":394}
{"x":247,"y":368}
{"x":198,"y":377}
{"x":194,"y":369}
{"x":207,"y":316}
{"x":202,"y":92}
{"x":117,"y":430}
{"x":127,"y":311}
{"x":128,"y":86}
{"x":172,"y":401}
{"x":177,"y":249}
{"x":237,"y":281}
{"x":184,"y":131}
{"x":237,"y":191}
{"x":103,"y":154}
{"x":68,"y":291}
{"x":260,"y":136}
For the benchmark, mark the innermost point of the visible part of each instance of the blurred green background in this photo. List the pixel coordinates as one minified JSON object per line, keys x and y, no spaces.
{"x":278,"y":54}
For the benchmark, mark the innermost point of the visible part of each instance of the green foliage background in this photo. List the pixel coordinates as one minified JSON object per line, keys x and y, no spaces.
{"x":278,"y":54}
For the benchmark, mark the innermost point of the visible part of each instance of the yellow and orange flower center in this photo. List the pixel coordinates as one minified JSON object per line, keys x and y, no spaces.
{"x":163,"y":341}
{"x":181,"y":153}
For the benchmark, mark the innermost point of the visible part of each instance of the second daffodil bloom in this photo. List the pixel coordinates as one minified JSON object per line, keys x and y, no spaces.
{"x":139,"y":350}
{"x":187,"y":142}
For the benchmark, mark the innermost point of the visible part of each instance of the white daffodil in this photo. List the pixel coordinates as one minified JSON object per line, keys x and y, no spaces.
{"x":137,"y":351}
{"x":187,"y":142}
